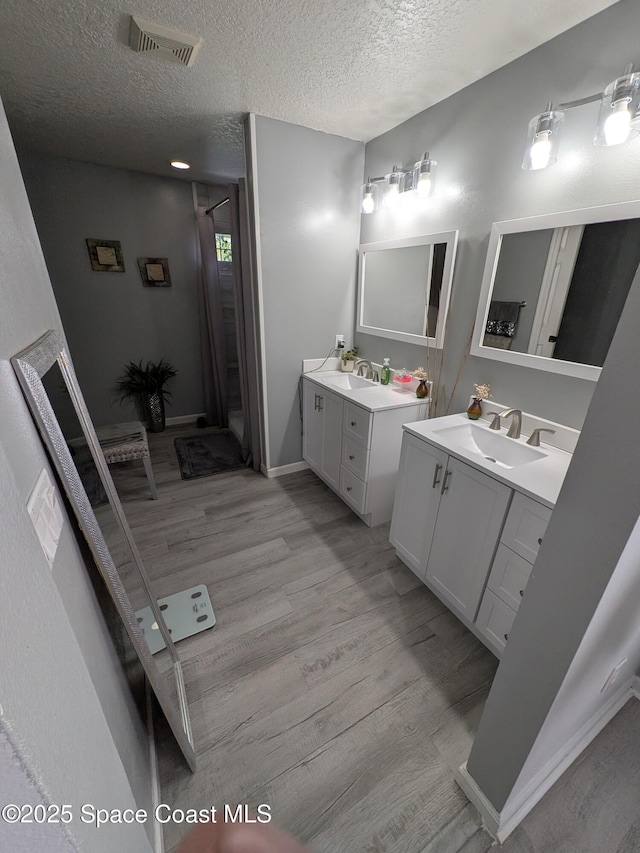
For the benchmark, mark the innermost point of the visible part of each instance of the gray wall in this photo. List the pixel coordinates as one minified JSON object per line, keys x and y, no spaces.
{"x":110,"y":318}
{"x":54,"y":644}
{"x":477,"y":137}
{"x":557,"y":659}
{"x":307,"y":194}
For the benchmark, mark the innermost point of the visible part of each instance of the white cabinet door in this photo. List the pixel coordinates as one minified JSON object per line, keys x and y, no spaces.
{"x":470,"y":517}
{"x":525,"y":526}
{"x":415,"y":508}
{"x":494,"y":622}
{"x":331,"y":406}
{"x":313,"y":425}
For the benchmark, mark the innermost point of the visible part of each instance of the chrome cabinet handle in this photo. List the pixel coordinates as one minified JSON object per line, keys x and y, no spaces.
{"x":315,"y":402}
{"x":521,"y":593}
{"x":354,"y":423}
{"x":351,"y":456}
{"x":506,"y":637}
{"x":436,"y":476}
{"x":540,"y":541}
{"x":320,"y":399}
{"x":349,"y":489}
{"x":445,"y":482}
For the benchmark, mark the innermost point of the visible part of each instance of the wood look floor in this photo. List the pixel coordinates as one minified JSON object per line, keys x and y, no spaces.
{"x":335,"y":687}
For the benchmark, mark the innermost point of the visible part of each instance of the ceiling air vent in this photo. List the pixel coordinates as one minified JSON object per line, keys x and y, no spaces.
{"x":147,"y":37}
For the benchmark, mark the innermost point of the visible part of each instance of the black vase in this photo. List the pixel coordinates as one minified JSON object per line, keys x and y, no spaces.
{"x":153,"y":411}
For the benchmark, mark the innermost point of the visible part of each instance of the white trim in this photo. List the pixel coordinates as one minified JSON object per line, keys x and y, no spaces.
{"x":252,"y":165}
{"x":583,"y":216}
{"x":185,"y":419}
{"x":280,"y":470}
{"x":490,"y":817}
{"x":502,"y":824}
{"x":154,"y":769}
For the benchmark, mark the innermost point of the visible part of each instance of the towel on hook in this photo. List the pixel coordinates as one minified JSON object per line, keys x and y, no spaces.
{"x":503,"y":318}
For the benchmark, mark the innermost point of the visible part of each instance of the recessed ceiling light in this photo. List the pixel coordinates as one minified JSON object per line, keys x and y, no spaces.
{"x":180,"y":164}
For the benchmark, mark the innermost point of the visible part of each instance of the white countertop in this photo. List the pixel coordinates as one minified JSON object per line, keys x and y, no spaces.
{"x":540,"y":479}
{"x":375,"y":398}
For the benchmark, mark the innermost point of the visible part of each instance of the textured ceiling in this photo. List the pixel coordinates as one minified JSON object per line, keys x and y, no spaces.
{"x":72,"y":87}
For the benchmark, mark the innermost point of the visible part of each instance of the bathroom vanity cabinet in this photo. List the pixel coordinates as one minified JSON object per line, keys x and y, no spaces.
{"x":352,"y":441}
{"x":469,"y":537}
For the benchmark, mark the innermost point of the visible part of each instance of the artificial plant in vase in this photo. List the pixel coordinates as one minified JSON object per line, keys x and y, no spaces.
{"x":148,"y":385}
{"x":483,"y":392}
{"x":348,"y":359}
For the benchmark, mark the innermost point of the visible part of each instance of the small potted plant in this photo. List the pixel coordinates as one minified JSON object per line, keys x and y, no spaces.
{"x":423,"y":386}
{"x":148,"y":385}
{"x":348,"y":359}
{"x":483,"y":392}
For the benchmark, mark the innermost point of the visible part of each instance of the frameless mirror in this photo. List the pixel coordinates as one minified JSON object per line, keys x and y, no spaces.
{"x":50,"y":386}
{"x":404,"y":288}
{"x":554,"y":287}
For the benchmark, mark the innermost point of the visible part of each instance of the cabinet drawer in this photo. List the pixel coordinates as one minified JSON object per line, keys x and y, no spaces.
{"x":352,"y":489}
{"x":357,"y":423}
{"x":509,"y":576}
{"x":355,"y":457}
{"x":525,"y":526}
{"x":494,"y":621}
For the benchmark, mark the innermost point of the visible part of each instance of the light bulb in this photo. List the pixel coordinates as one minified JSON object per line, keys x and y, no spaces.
{"x":392,"y":197}
{"x":180,"y":164}
{"x":368,"y":203}
{"x":541,"y":151}
{"x":424,"y":185}
{"x":618,"y":124}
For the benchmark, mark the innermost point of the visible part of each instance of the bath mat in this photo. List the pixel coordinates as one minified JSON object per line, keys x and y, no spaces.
{"x":205,"y":455}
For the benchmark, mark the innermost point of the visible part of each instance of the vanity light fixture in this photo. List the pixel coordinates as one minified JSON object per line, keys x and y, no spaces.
{"x":180,"y":164}
{"x":399,"y":184}
{"x":618,"y":121}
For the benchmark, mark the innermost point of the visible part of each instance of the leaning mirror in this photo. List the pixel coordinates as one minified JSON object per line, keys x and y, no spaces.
{"x":404,"y":288}
{"x":52,"y":392}
{"x":554,"y":287}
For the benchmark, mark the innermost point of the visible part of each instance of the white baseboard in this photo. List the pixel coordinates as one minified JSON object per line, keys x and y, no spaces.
{"x":284,"y":469}
{"x":490,"y":817}
{"x":185,"y":419}
{"x":154,"y":770}
{"x":502,"y":824}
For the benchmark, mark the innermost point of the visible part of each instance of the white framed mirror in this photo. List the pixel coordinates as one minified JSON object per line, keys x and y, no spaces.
{"x":404,"y":288}
{"x":554,"y":287}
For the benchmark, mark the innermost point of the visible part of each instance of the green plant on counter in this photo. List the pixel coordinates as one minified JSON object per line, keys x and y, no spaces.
{"x":349,"y":354}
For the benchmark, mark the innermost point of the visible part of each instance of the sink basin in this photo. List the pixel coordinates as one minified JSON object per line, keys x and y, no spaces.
{"x":491,"y":446}
{"x":348,"y":380}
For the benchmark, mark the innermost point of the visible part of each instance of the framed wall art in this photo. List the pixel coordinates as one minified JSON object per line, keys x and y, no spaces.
{"x":154,"y":272}
{"x":105,"y":255}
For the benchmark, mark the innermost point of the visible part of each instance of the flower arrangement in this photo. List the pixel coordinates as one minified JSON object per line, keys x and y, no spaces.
{"x":420,"y":373}
{"x":475,"y":409}
{"x":483,"y":392}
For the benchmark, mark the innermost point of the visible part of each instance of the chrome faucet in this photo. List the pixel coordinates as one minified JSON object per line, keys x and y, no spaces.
{"x":516,"y":422}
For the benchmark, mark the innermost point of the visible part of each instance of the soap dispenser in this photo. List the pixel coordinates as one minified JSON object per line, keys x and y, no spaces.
{"x":385,"y":373}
